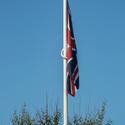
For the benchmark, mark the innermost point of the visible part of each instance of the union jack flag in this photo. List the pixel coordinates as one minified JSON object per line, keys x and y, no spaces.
{"x":72,"y":65}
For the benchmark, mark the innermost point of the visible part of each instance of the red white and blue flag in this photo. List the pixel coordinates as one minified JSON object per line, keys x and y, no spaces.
{"x":72,"y":65}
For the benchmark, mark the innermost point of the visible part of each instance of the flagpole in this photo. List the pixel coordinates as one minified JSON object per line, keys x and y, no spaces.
{"x":65,"y":96}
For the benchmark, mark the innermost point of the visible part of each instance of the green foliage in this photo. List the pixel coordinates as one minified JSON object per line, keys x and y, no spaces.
{"x":56,"y":117}
{"x":91,"y":119}
{"x":43,"y":117}
{"x":22,"y":118}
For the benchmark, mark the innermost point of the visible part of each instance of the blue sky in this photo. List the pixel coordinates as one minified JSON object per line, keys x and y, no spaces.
{"x":31,"y":65}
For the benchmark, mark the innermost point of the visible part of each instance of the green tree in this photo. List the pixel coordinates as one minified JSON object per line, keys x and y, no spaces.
{"x":43,"y":117}
{"x":23,"y":118}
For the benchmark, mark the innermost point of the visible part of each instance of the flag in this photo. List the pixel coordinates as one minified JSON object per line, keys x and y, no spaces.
{"x":72,"y":65}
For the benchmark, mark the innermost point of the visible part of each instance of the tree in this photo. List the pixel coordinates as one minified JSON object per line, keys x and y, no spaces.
{"x":42,"y":117}
{"x":23,"y":118}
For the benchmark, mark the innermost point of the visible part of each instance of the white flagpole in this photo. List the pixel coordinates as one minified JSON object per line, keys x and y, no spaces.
{"x":65,"y":62}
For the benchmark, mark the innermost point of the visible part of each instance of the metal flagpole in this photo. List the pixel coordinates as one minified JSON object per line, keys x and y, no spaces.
{"x":65,"y":98}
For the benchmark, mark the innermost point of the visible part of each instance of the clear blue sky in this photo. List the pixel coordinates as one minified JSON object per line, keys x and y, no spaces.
{"x":31,"y":65}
